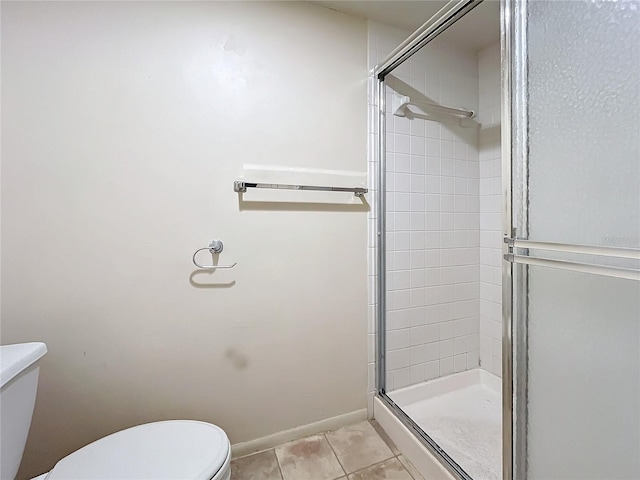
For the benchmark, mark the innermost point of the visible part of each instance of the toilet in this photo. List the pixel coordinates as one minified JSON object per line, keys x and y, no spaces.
{"x":167,"y":450}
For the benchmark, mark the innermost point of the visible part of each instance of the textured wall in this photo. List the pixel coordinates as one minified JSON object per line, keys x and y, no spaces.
{"x":123,"y":127}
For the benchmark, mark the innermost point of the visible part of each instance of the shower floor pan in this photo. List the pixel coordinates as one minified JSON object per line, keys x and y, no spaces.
{"x":462,"y":413}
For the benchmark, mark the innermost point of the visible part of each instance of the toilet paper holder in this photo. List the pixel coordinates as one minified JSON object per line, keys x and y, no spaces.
{"x":215,"y":247}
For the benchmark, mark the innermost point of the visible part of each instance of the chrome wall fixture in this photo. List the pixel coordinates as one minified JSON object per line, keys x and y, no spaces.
{"x":516,"y":243}
{"x":595,"y":269}
{"x":402,"y":102}
{"x":241,"y":187}
{"x":215,"y":247}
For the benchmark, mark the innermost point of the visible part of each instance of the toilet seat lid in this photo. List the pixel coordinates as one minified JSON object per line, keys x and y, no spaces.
{"x":170,"y":450}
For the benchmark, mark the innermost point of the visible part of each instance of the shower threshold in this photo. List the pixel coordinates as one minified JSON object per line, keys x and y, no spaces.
{"x":462,"y":413}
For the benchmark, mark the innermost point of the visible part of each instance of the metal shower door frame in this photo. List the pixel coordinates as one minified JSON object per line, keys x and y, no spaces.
{"x":446,"y":17}
{"x":515,"y":216}
{"x":516,"y":211}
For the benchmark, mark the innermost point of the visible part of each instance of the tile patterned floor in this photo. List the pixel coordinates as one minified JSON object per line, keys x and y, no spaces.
{"x":356,"y":452}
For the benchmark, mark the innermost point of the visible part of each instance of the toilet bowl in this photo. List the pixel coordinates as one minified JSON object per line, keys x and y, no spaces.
{"x":167,"y":450}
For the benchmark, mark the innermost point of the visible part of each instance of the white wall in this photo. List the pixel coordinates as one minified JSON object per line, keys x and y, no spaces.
{"x":490,"y":210}
{"x":124,"y":126}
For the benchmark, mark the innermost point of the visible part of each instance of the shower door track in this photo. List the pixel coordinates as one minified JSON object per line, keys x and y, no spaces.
{"x":426,"y":440}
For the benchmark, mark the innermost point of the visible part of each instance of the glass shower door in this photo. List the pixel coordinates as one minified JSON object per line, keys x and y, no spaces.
{"x":576,"y":241}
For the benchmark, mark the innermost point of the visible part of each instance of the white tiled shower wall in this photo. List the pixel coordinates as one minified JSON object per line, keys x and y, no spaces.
{"x":443,"y":224}
{"x":490,"y":211}
{"x":432,"y":224}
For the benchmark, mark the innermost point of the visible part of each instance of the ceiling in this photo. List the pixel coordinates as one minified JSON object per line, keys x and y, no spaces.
{"x":474,"y":31}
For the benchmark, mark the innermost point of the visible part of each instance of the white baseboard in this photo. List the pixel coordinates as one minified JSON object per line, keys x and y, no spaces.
{"x":424,"y":461}
{"x":265,"y":443}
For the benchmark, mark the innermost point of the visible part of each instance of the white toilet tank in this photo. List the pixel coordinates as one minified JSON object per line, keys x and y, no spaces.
{"x":19,"y":382}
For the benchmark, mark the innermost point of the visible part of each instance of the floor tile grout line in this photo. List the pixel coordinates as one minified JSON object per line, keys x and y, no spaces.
{"x":278,"y":462}
{"x":379,"y":463}
{"x":408,"y":471}
{"x":393,"y":455}
{"x":410,"y":474}
{"x":346,"y":475}
{"x":390,"y":443}
{"x":335,"y":454}
{"x":375,"y":463}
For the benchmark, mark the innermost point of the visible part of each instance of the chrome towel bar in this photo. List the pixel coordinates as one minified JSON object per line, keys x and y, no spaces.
{"x":574,"y":248}
{"x":606,"y":270}
{"x":241,"y":187}
{"x":616,"y":272}
{"x":215,"y":247}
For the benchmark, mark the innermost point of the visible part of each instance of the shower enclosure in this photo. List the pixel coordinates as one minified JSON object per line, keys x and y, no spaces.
{"x":508,"y":238}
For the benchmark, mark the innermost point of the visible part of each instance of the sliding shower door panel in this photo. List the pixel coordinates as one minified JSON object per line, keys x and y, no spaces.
{"x":584,"y":382}
{"x":576,"y":199}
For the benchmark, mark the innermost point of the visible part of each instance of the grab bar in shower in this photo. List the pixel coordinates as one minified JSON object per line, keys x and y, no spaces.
{"x":401,"y":102}
{"x":241,"y":187}
{"x":214,"y":247}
